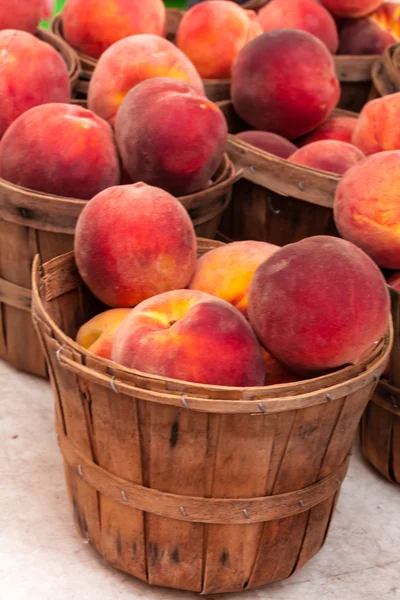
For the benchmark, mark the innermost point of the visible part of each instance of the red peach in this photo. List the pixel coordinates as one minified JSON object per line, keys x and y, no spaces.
{"x":364,"y":36}
{"x":133,"y":242}
{"x":378,"y":126}
{"x":97,"y":335}
{"x":60,"y":149}
{"x":191,"y":336}
{"x":27,"y":83}
{"x":335,"y":128}
{"x":15,"y":14}
{"x":270,"y":95}
{"x":170,"y":136}
{"x":130,"y":61}
{"x":328,"y":155}
{"x":319,"y":304}
{"x":367,"y":208}
{"x":227,"y":271}
{"x":91,"y":26}
{"x":306,"y":15}
{"x":269,"y":142}
{"x":351,"y":8}
{"x":212,"y":33}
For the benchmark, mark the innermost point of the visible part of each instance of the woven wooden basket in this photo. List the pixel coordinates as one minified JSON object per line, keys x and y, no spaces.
{"x":31,"y":223}
{"x":202,"y":488}
{"x":386,"y":73}
{"x":380,"y":425}
{"x":69,"y":55}
{"x":276,"y":201}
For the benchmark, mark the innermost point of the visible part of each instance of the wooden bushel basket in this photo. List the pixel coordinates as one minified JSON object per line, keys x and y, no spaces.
{"x":355,"y":76}
{"x":69,"y":55}
{"x":195,"y":487}
{"x":276,"y":201}
{"x":380,"y":425}
{"x":386,"y":73}
{"x":32,"y":223}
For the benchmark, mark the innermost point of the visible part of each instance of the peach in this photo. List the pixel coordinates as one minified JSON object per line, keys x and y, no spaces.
{"x":170,"y":136}
{"x":212,"y":33}
{"x":276,"y":372}
{"x":269,"y":142}
{"x":270,"y":95}
{"x":130,"y":61}
{"x":351,"y":8}
{"x":15,"y":14}
{"x":91,"y":26}
{"x":335,"y":128}
{"x":394,"y":281}
{"x":227,"y":271}
{"x":27,"y":83}
{"x":367,"y":207}
{"x":364,"y":36}
{"x":189,"y":335}
{"x":306,"y":15}
{"x":60,"y":149}
{"x":319,"y":304}
{"x":378,"y":126}
{"x":133,"y":242}
{"x":387,"y":16}
{"x":97,"y":335}
{"x":328,"y":155}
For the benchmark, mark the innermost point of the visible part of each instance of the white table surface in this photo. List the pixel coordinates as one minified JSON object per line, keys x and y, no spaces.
{"x":43,"y":558}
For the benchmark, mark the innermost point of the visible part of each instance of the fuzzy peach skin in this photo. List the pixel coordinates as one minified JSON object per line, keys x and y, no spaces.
{"x":276,"y":372}
{"x":133,"y":242}
{"x":270,"y":95}
{"x":351,"y":8}
{"x":227,"y":271}
{"x":367,"y":207}
{"x":335,"y":128}
{"x":15,"y":14}
{"x":189,"y":335}
{"x":60,"y":149}
{"x":27,"y":83}
{"x":378,"y":126}
{"x":97,"y":335}
{"x":306,"y":15}
{"x":364,"y":36}
{"x":268,"y":142}
{"x":212,"y":33}
{"x":92,"y":26}
{"x":130,"y":61}
{"x":170,"y":136}
{"x":328,"y":155}
{"x":319,"y":304}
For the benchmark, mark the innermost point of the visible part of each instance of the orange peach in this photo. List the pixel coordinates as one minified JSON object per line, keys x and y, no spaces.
{"x":364,"y":36}
{"x":328,"y":155}
{"x":60,"y":149}
{"x":97,"y":335}
{"x":335,"y":128}
{"x":170,"y":136}
{"x":91,"y":26}
{"x":319,"y":304}
{"x":387,"y":16}
{"x":270,"y":95}
{"x":189,"y":335}
{"x":351,"y":8}
{"x":269,"y":142}
{"x":130,"y":61}
{"x":212,"y":33}
{"x":378,"y":126}
{"x":27,"y":83}
{"x":276,"y":372}
{"x":367,"y":207}
{"x":15,"y":14}
{"x":133,"y":242}
{"x":306,"y":15}
{"x":227,"y":271}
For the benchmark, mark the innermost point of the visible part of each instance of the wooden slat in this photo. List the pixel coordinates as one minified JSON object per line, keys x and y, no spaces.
{"x":377,"y":437}
{"x":15,"y":295}
{"x":395,"y":458}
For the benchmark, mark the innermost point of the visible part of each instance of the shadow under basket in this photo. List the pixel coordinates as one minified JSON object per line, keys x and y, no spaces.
{"x":68,"y":54}
{"x":189,"y":486}
{"x":276,"y":201}
{"x":32,"y":223}
{"x":380,"y":425}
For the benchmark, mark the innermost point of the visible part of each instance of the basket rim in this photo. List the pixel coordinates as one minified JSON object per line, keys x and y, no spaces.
{"x":202,"y":397}
{"x":69,"y":54}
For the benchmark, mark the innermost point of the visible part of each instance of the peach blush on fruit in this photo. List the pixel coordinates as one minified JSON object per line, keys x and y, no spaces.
{"x":97,"y":335}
